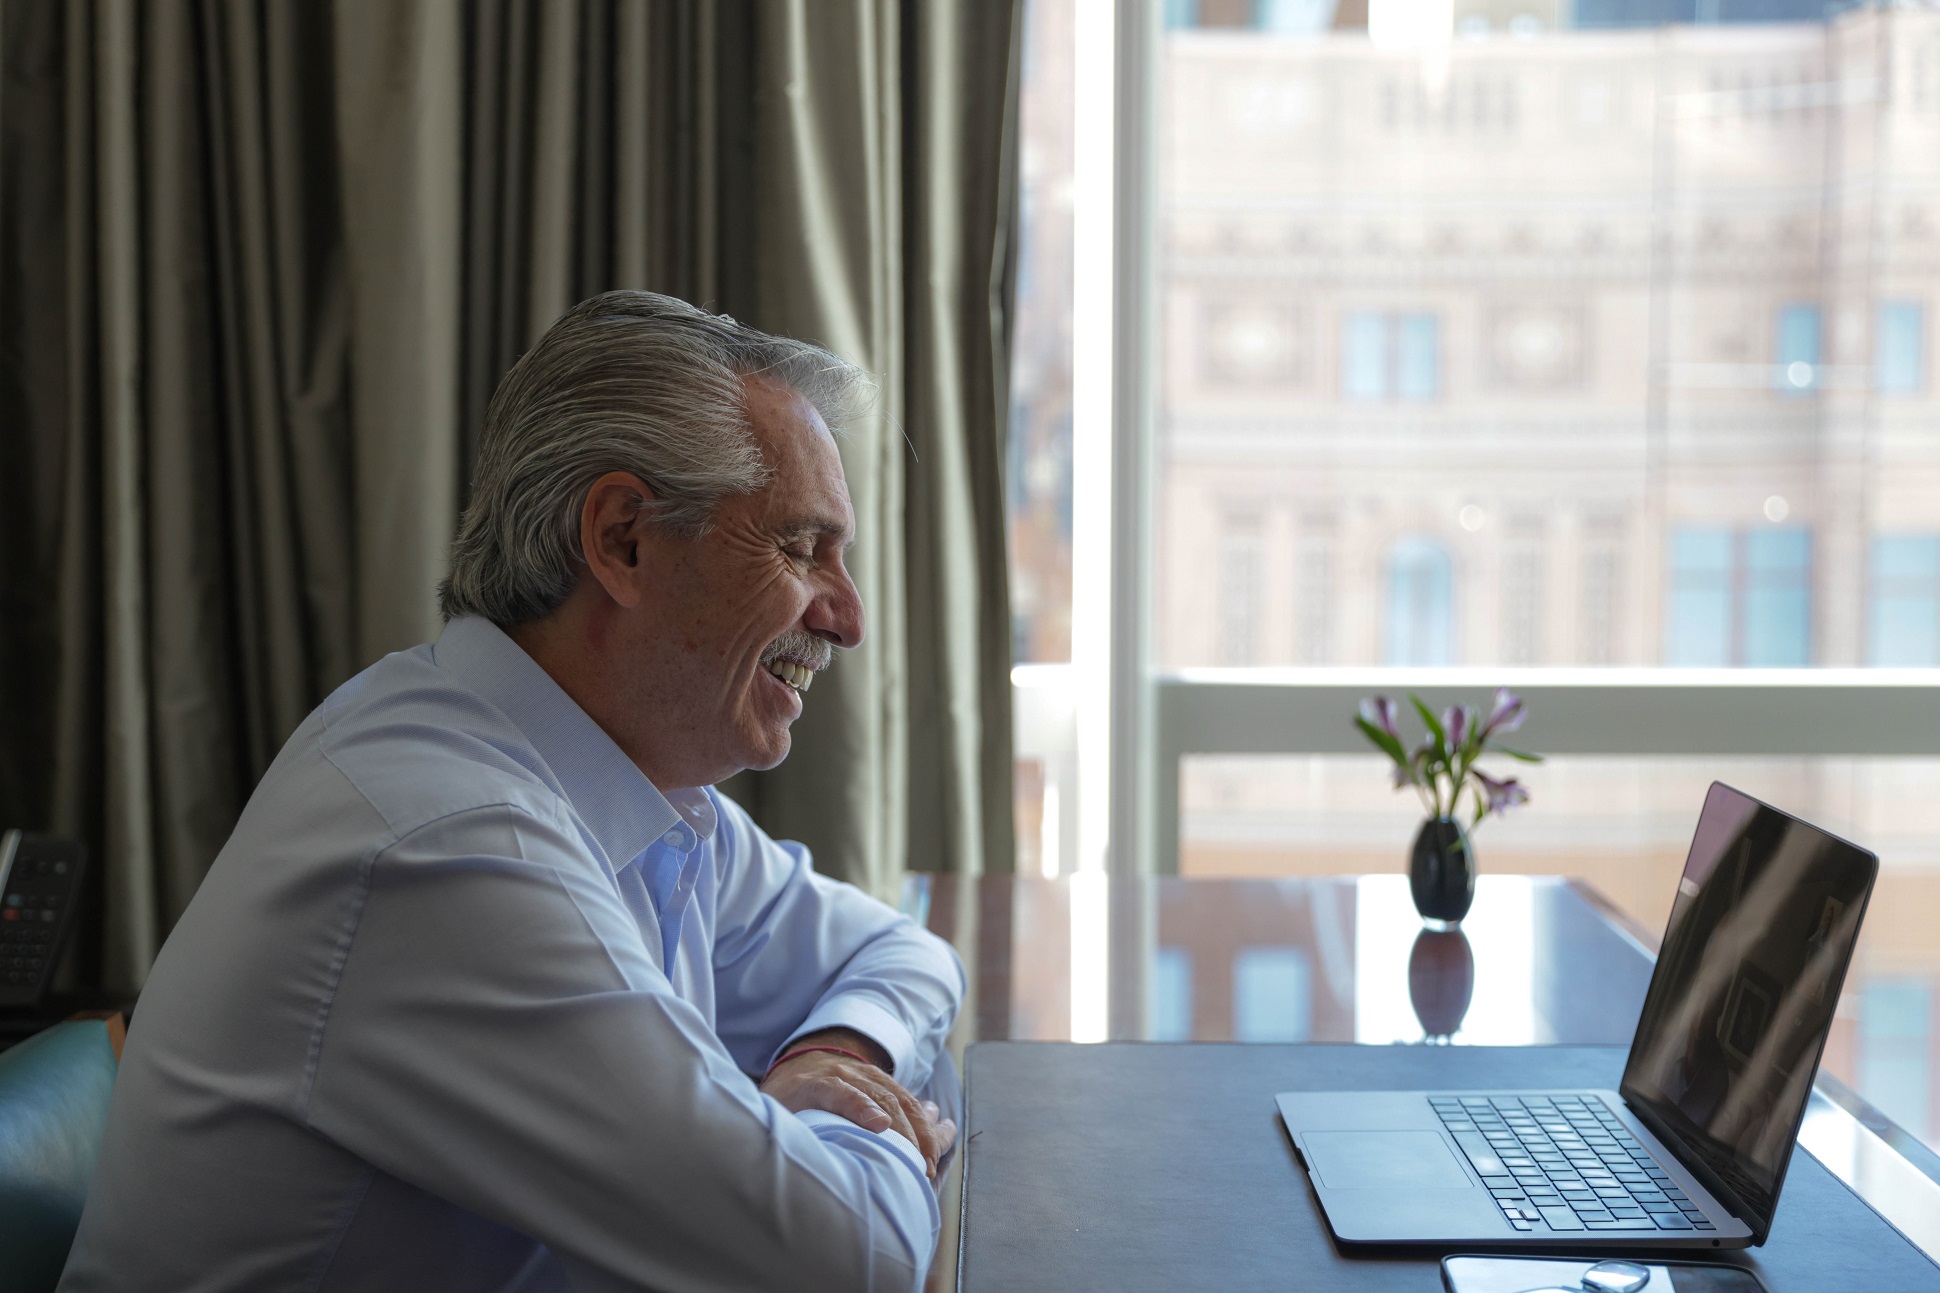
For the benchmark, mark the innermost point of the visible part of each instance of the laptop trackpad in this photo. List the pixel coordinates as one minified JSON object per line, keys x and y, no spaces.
{"x":1384,"y":1160}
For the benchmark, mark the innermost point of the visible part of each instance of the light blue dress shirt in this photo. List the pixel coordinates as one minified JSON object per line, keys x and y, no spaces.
{"x":466,"y":1004}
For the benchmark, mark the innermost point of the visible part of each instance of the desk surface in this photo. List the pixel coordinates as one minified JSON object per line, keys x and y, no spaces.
{"x":1145,"y":1167}
{"x":1540,"y":961}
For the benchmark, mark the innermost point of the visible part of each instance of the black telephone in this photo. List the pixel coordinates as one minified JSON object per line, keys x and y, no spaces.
{"x":40,"y":879}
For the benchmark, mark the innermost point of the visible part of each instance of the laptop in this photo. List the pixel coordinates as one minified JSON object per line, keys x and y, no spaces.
{"x":1691,"y":1150}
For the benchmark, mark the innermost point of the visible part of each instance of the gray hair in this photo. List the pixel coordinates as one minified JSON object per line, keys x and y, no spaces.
{"x":625,"y":381}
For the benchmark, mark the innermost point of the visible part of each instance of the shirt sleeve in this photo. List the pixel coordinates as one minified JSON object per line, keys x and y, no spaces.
{"x":796,"y":952}
{"x":500,"y":1037}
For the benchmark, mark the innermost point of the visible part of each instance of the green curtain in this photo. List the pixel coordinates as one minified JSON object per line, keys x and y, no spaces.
{"x":262,"y":263}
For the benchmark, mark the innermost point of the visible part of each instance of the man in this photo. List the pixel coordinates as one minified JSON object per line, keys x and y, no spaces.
{"x":489,"y":990}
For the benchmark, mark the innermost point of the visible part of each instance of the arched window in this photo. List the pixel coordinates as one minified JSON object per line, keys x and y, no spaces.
{"x":1421,"y":603}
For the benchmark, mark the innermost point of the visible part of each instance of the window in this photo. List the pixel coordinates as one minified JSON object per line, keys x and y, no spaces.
{"x":1701,"y":597}
{"x":1512,"y":369}
{"x":1740,"y":598}
{"x":1239,"y":592}
{"x":1899,"y":361}
{"x":1903,"y":626}
{"x":1798,"y":349}
{"x":1600,"y":594}
{"x":1421,"y":603}
{"x":1777,"y":617}
{"x":1169,"y":1002}
{"x":1522,"y":597}
{"x":1272,"y":995}
{"x":1387,"y":356}
{"x":1313,"y":597}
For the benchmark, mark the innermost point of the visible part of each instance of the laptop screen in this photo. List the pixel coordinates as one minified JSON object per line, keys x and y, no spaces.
{"x":1760,"y":933}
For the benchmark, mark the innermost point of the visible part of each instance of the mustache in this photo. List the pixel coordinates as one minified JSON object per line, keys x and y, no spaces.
{"x":805,"y":648}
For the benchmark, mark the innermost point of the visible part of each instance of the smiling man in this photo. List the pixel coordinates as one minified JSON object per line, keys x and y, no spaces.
{"x":490,"y":989}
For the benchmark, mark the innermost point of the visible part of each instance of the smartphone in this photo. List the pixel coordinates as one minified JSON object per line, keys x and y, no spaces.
{"x":1521,"y":1274}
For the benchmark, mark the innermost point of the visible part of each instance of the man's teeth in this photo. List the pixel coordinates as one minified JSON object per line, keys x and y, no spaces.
{"x":795,"y":675}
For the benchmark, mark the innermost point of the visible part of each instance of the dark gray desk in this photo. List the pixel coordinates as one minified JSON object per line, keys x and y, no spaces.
{"x":1130,"y":1167}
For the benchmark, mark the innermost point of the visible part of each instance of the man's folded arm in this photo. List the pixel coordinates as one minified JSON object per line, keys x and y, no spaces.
{"x":499,"y":1037}
{"x":796,"y":953}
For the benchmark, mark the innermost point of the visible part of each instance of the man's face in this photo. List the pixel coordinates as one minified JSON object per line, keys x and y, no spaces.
{"x":763,"y":593}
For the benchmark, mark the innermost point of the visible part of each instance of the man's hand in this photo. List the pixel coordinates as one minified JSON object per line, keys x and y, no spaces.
{"x":865,"y":1094}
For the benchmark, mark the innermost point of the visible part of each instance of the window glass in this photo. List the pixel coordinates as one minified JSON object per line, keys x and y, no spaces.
{"x":1904,"y":624}
{"x":1900,"y":365}
{"x":1272,"y":995}
{"x":1418,"y":361}
{"x":1364,"y":356}
{"x":1700,"y":597}
{"x":1541,"y":274}
{"x":1421,"y":603}
{"x":1239,"y":592}
{"x":1740,"y":598}
{"x":1798,"y":348}
{"x":1777,"y":612}
{"x":1037,"y":473}
{"x":1169,"y":1004}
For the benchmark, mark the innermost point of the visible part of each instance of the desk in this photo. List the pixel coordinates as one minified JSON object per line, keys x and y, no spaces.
{"x":1542,"y":961}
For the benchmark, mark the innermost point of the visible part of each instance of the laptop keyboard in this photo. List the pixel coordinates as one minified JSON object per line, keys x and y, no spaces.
{"x":1567,"y":1162}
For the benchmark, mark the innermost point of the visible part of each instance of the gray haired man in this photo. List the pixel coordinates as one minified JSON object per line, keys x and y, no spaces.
{"x":489,"y":989}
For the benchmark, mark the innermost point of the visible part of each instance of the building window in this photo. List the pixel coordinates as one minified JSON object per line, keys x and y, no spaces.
{"x":1421,"y":603}
{"x":1740,"y":598}
{"x":1239,"y":593}
{"x":1899,"y":348}
{"x":1272,"y":995}
{"x":1313,"y":599}
{"x":1600,"y":592}
{"x":1903,"y":621}
{"x":1168,"y":1008}
{"x":1390,"y":356}
{"x":1798,"y":349}
{"x":1294,"y":17}
{"x":1522,"y":597}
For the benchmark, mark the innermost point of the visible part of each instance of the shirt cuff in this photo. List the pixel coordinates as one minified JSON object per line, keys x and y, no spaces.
{"x":819,"y":1118}
{"x":861,"y":1014}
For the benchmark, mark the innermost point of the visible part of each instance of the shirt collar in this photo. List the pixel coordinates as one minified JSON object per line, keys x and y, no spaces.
{"x":622,"y":809}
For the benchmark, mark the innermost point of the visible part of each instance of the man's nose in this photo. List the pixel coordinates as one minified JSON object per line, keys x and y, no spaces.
{"x":836,"y":613}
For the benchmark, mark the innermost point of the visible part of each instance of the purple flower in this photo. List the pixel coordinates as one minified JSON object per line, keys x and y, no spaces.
{"x":1381,"y":712}
{"x":1507,"y":715}
{"x":1503,"y":795}
{"x":1456,"y":722}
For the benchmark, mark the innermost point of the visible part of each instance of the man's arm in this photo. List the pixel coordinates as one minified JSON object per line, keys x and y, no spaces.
{"x":846,"y":1073}
{"x":500,"y":1037}
{"x":796,"y":952}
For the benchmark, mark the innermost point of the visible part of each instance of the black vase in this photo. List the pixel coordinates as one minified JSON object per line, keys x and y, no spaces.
{"x":1441,"y":872}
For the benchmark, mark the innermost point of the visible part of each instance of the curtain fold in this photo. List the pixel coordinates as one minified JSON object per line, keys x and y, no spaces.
{"x":262,"y":263}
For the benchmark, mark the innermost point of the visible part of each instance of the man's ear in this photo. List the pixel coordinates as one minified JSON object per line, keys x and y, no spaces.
{"x":612,"y":534}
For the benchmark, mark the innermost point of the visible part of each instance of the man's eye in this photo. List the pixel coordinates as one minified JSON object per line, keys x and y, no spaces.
{"x":800,"y":551}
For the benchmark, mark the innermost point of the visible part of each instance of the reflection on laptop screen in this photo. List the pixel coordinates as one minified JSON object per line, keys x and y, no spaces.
{"x":1762,"y":928}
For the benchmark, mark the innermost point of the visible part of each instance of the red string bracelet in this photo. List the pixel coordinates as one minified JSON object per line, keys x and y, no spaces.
{"x":805,"y":1050}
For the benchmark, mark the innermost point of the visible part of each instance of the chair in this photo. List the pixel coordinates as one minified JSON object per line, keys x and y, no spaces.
{"x":54,"y":1090}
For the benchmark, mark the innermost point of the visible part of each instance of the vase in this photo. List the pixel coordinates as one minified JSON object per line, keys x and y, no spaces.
{"x":1441,"y":872}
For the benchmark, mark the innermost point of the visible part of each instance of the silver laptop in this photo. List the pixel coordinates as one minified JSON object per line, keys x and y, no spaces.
{"x":1691,"y":1150}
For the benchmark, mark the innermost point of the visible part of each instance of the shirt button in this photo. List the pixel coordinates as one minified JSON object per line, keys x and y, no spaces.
{"x":675,"y":838}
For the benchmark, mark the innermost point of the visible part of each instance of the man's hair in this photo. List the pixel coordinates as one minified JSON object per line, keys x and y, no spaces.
{"x":625,"y":381}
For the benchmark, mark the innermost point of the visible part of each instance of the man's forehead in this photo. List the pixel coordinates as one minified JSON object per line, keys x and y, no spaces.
{"x":809,"y":483}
